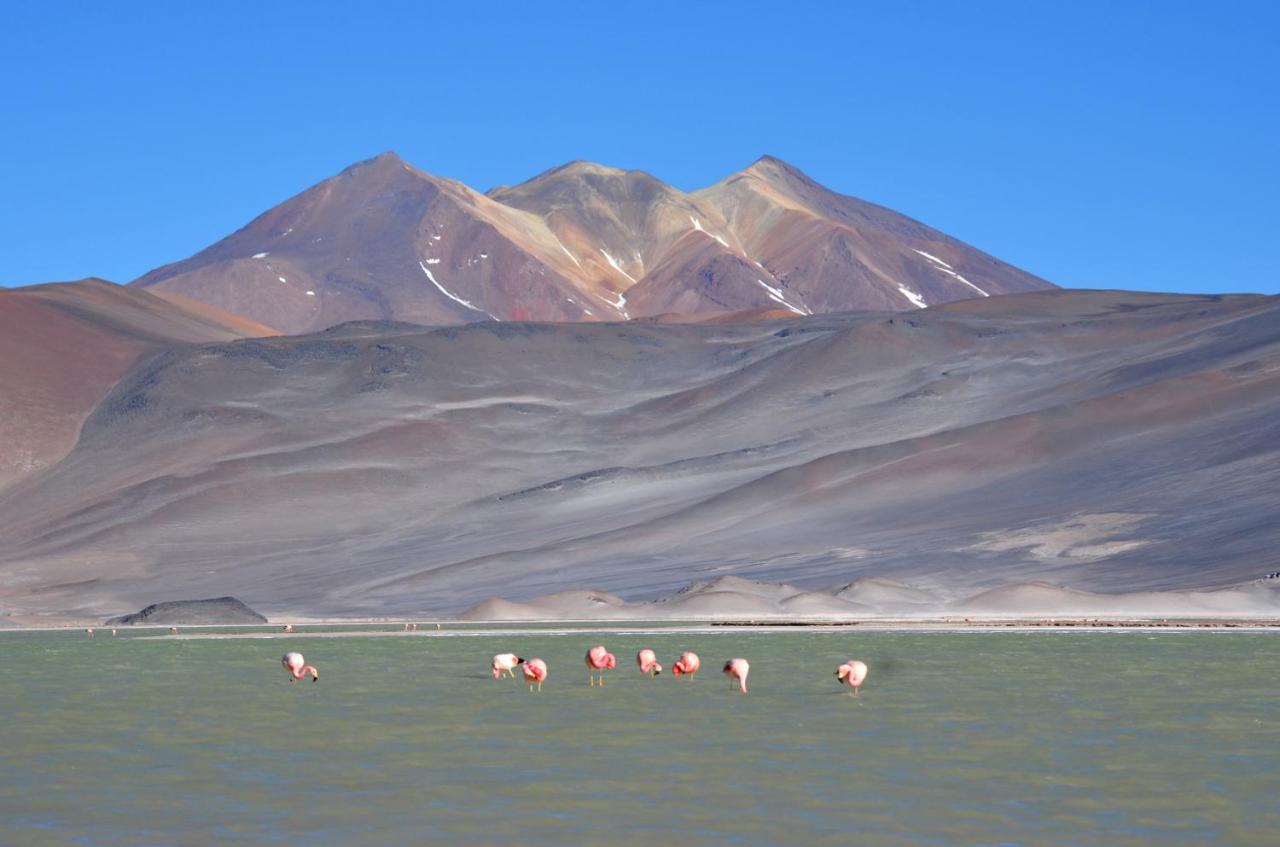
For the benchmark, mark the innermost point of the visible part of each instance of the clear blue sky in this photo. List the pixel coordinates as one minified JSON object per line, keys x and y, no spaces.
{"x":1125,"y":145}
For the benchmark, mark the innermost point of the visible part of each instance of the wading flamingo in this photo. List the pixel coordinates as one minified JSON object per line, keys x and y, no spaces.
{"x":505,"y":662}
{"x":535,"y":671}
{"x":648,"y":662}
{"x":687,"y":664}
{"x":113,"y":632}
{"x":852,"y":673}
{"x":737,"y":669}
{"x":287,"y":628}
{"x":298,"y":667}
{"x":90,"y":631}
{"x":173,"y":630}
{"x":599,"y":659}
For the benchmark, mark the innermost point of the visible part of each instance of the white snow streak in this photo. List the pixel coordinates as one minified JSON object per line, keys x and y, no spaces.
{"x":916,"y":299}
{"x":617,"y":267}
{"x":433,"y":261}
{"x":931,"y":258}
{"x":776,"y":296}
{"x":282,"y":279}
{"x":311,"y":294}
{"x":697,"y":224}
{"x":261,"y":255}
{"x":455,"y":298}
{"x":566,"y":250}
{"x":940,"y":265}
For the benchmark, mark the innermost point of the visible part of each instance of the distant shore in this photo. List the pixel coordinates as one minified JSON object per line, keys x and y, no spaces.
{"x":382,"y":627}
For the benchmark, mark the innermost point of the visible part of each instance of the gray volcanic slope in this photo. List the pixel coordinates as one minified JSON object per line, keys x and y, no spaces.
{"x":1107,"y":441}
{"x":384,"y":240}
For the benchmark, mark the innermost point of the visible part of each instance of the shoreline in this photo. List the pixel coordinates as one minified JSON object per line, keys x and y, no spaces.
{"x":365,"y":628}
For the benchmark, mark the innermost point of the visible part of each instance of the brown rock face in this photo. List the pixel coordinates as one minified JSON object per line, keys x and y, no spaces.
{"x":386,"y":241}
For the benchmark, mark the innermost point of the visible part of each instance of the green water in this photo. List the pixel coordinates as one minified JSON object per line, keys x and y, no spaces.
{"x":957,"y":739}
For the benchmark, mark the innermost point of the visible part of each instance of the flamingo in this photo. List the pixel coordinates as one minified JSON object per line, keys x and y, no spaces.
{"x":535,"y":671}
{"x":737,"y":669}
{"x":648,"y":662}
{"x":688,"y":663}
{"x":173,"y":630}
{"x":598,"y":659}
{"x":287,"y":628}
{"x":298,"y":668}
{"x":505,"y":662}
{"x":852,"y":673}
{"x":90,"y":632}
{"x":113,"y":632}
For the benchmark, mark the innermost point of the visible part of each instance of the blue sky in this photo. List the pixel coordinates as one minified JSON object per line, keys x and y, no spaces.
{"x":1129,"y":145}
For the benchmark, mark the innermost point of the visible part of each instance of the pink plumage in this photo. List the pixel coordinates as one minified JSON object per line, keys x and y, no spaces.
{"x":687,"y":664}
{"x":852,"y":673}
{"x":598,"y":660}
{"x":535,"y":672}
{"x":648,"y":662}
{"x":737,"y":670}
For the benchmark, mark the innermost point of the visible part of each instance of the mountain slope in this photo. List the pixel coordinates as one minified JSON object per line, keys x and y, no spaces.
{"x":63,"y":345}
{"x":1103,"y":440}
{"x":582,"y":242}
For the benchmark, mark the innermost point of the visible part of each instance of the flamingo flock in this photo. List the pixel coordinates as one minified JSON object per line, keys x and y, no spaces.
{"x":851,"y":673}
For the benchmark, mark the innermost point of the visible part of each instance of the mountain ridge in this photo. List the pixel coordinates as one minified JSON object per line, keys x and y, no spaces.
{"x":385,"y":240}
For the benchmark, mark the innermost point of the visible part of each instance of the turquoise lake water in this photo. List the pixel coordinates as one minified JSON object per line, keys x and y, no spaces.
{"x":1063,"y":738}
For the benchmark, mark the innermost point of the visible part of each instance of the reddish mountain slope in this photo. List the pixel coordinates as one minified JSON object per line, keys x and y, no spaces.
{"x":62,"y":347}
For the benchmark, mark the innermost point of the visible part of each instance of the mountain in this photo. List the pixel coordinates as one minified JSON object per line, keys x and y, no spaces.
{"x":385,"y":241}
{"x":1103,"y":441}
{"x":63,"y":345}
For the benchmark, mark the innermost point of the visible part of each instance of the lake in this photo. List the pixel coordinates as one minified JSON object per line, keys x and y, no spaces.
{"x":971,"y":738}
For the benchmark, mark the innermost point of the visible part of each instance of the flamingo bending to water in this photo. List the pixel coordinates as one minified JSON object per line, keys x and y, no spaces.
{"x":535,"y":671}
{"x":648,"y":662}
{"x":687,"y":664}
{"x":298,"y":667}
{"x":599,"y":659}
{"x":737,"y":669}
{"x":505,"y":662}
{"x":852,"y":673}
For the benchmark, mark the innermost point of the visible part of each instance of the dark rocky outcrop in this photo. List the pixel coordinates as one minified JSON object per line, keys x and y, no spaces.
{"x":215,"y":611}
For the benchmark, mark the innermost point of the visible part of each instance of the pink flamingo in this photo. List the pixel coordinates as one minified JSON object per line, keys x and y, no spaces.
{"x":287,"y":628}
{"x":298,"y":667}
{"x":852,"y":673}
{"x":598,"y":659}
{"x":648,"y":662}
{"x":535,"y":671}
{"x":737,"y":669}
{"x":688,"y":664}
{"x":90,"y":631}
{"x":505,"y":662}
